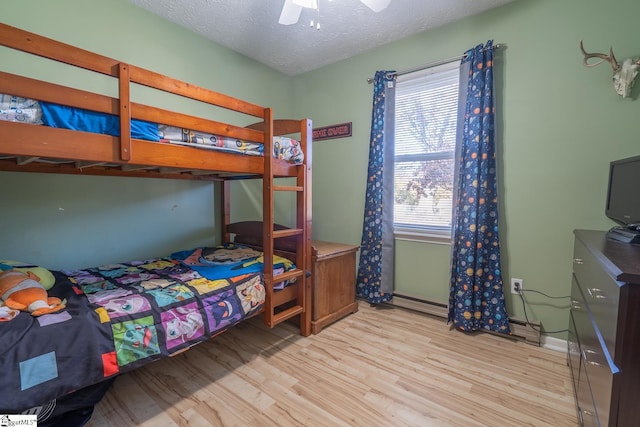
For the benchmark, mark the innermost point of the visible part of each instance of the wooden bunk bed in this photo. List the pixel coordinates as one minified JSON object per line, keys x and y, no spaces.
{"x":43,"y":149}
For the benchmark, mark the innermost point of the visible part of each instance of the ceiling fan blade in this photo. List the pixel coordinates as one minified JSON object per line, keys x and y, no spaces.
{"x":376,"y":5}
{"x":311,"y":4}
{"x":290,"y":13}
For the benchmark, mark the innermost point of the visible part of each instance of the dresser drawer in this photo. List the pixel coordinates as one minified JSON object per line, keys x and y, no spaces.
{"x":595,"y":360}
{"x":573,"y":354}
{"x":587,"y":415}
{"x":600,"y":380}
{"x":601,"y":293}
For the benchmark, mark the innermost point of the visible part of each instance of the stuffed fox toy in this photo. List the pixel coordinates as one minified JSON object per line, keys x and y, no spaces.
{"x":23,"y":291}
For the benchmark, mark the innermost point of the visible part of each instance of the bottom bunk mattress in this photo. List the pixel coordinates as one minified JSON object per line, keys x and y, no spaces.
{"x":119,"y":317}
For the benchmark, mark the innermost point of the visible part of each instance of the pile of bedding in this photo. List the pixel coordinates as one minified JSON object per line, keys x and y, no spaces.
{"x":17,"y":109}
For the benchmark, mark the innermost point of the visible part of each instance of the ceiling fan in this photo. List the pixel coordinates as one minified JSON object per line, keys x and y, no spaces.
{"x":292,"y":8}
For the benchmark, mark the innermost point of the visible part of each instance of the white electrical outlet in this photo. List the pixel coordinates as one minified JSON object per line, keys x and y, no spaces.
{"x":516,"y":285}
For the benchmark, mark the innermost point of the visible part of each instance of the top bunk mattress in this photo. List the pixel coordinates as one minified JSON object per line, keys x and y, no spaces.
{"x":25,"y":110}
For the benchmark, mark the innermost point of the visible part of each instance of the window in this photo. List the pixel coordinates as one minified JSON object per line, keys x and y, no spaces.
{"x":425,"y":141}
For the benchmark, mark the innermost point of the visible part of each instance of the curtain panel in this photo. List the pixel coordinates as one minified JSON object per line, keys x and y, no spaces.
{"x":375,"y":270}
{"x":476,"y":299}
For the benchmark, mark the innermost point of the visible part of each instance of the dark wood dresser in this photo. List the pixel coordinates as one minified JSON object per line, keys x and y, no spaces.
{"x":334,"y":283}
{"x":604,"y":330}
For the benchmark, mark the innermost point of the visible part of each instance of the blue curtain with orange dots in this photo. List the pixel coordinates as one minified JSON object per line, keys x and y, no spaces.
{"x":476,"y":300}
{"x":375,"y":270}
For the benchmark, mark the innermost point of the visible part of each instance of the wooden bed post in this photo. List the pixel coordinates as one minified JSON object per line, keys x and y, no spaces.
{"x":305,"y":220}
{"x":225,"y":200}
{"x":267,"y":216}
{"x":125,"y":111}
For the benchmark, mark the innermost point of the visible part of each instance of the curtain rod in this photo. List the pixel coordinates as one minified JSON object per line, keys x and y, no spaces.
{"x":433,"y":64}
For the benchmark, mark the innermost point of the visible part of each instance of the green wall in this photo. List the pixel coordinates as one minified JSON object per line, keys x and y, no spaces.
{"x":120,"y":30}
{"x":559,"y":125}
{"x":64,"y":221}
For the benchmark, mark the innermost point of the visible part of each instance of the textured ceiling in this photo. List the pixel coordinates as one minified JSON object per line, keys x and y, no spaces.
{"x":348,"y":28}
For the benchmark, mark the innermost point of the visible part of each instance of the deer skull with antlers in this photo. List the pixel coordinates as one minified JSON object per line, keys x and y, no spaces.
{"x":623,"y":75}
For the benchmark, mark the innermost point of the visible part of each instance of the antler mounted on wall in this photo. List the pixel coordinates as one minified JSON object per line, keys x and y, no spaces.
{"x":623,"y":75}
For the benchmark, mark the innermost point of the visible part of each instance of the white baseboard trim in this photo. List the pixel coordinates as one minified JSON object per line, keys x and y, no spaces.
{"x":553,"y":343}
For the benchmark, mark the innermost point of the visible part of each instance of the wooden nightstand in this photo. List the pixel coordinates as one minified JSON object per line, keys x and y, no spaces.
{"x":334,"y":283}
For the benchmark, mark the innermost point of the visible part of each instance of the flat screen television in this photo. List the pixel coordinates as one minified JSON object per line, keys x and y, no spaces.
{"x":623,"y":195}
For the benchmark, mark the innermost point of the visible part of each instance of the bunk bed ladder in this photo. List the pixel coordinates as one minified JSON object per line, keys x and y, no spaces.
{"x":292,"y":300}
{"x":294,"y":293}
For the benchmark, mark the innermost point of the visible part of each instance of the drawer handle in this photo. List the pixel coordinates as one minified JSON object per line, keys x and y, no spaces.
{"x":596,"y":293}
{"x":575,"y":305}
{"x":578,"y":261}
{"x":586,"y":359}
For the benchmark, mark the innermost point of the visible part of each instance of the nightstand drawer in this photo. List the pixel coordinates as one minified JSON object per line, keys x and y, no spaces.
{"x":601,"y":293}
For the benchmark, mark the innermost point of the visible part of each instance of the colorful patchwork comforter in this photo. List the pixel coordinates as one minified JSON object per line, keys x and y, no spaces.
{"x":119,"y":317}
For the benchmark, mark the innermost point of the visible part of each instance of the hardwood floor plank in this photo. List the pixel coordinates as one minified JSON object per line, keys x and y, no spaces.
{"x":376,"y":367}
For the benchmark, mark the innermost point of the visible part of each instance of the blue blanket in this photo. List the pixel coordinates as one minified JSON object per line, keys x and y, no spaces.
{"x":61,"y":116}
{"x":228,"y":260}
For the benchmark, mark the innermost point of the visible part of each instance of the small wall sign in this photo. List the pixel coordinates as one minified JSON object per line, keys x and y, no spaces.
{"x":341,"y":130}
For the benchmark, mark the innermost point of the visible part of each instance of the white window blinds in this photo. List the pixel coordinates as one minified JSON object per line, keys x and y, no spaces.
{"x":425,"y":139}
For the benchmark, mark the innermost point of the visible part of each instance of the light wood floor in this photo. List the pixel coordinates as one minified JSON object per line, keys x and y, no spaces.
{"x":378,"y":367}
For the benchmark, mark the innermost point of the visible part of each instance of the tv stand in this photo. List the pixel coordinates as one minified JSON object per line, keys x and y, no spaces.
{"x":624,"y":234}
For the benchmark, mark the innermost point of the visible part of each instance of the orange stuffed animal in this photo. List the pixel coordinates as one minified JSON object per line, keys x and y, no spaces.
{"x":23,"y":291}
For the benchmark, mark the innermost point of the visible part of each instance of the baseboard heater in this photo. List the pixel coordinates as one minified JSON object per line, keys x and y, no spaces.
{"x":519,"y":328}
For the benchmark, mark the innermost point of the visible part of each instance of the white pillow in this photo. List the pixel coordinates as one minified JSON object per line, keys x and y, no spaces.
{"x":16,"y":109}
